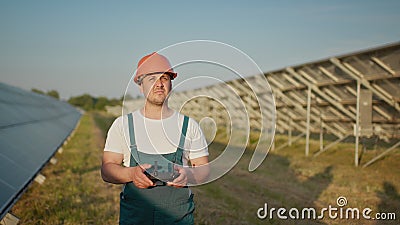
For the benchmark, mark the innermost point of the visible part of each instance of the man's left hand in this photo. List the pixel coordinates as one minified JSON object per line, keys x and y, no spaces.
{"x":181,"y":180}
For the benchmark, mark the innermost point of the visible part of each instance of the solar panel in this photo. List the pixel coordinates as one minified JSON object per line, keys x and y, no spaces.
{"x":32,"y":128}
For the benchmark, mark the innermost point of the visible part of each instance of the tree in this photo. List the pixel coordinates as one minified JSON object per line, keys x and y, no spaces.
{"x":85,"y":102}
{"x":37,"y":91}
{"x":88,"y":102}
{"x":54,"y":94}
{"x":51,"y":93}
{"x":101,"y":103}
{"x":114,"y":102}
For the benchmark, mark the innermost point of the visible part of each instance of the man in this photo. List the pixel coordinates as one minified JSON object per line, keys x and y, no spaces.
{"x":137,"y":142}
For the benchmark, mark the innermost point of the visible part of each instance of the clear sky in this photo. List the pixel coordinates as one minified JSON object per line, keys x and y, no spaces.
{"x":78,"y":47}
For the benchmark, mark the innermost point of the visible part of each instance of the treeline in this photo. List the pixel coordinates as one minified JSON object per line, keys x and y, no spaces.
{"x":52,"y":93}
{"x":85,"y":101}
{"x":88,"y":102}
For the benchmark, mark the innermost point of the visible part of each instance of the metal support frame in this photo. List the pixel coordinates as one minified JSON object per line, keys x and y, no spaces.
{"x":321,"y":132}
{"x":290,"y":132}
{"x":357,"y":132}
{"x":319,"y":92}
{"x":351,"y":71}
{"x":382,"y":154}
{"x":9,"y":219}
{"x":298,"y":137}
{"x":383,"y":65}
{"x":330,"y":145}
{"x":301,"y":111}
{"x":308,"y":121}
{"x":40,"y":178}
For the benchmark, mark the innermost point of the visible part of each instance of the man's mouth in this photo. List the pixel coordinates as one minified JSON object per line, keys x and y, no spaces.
{"x":159,"y":91}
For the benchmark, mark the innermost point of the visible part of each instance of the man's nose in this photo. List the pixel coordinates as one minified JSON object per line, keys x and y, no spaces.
{"x":159,"y":83}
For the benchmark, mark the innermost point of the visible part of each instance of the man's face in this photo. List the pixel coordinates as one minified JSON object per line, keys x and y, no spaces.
{"x":156,"y":88}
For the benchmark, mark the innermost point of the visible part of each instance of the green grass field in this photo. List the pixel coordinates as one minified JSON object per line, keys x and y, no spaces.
{"x":74,"y":192}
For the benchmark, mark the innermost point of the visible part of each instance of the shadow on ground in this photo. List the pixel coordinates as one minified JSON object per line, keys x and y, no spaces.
{"x":389,"y":204}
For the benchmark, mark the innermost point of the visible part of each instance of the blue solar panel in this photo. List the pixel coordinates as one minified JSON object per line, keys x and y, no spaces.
{"x":32,"y":128}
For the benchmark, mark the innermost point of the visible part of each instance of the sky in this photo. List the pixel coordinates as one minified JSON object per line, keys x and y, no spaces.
{"x":78,"y":47}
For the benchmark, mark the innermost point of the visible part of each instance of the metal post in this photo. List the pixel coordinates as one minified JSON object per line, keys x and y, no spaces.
{"x":330,"y":145}
{"x":321,"y":134}
{"x":308,"y":120}
{"x":357,"y":133}
{"x":382,"y":154}
{"x":294,"y":140}
{"x":290,"y":132}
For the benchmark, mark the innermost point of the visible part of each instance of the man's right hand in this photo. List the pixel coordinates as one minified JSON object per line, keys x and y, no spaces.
{"x":112,"y":171}
{"x":139,"y":178}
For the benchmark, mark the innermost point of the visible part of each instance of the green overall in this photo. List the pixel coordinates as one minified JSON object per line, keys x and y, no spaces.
{"x":159,"y":204}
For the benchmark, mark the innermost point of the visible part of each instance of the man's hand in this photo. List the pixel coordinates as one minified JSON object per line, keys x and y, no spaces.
{"x":181,"y":180}
{"x":140,"y":179}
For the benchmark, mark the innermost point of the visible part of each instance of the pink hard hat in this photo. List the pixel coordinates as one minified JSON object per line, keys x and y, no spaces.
{"x":152,"y":64}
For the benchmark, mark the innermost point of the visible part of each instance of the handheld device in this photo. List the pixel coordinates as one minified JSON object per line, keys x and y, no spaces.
{"x":160,"y":175}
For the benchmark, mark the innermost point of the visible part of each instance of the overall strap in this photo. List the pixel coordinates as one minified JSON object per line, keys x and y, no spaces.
{"x":179,"y":150}
{"x":133,"y":145}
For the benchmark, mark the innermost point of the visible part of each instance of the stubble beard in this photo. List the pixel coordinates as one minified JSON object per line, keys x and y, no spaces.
{"x":157,"y":100}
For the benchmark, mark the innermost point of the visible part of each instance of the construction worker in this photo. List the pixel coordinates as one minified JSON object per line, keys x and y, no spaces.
{"x":138,"y":143}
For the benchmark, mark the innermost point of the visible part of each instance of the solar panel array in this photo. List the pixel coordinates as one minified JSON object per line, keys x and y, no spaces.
{"x":332,"y":86}
{"x":32,"y":128}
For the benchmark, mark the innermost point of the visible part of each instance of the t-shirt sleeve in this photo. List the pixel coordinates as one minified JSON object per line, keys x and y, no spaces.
{"x":198,"y":144}
{"x":115,"y":141}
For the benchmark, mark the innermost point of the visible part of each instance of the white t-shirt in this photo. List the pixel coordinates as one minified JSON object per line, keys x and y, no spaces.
{"x":156,"y":136}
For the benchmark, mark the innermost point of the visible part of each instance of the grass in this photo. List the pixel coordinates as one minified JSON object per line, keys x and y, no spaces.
{"x":287,"y":178}
{"x":103,"y":121}
{"x":74,"y":192}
